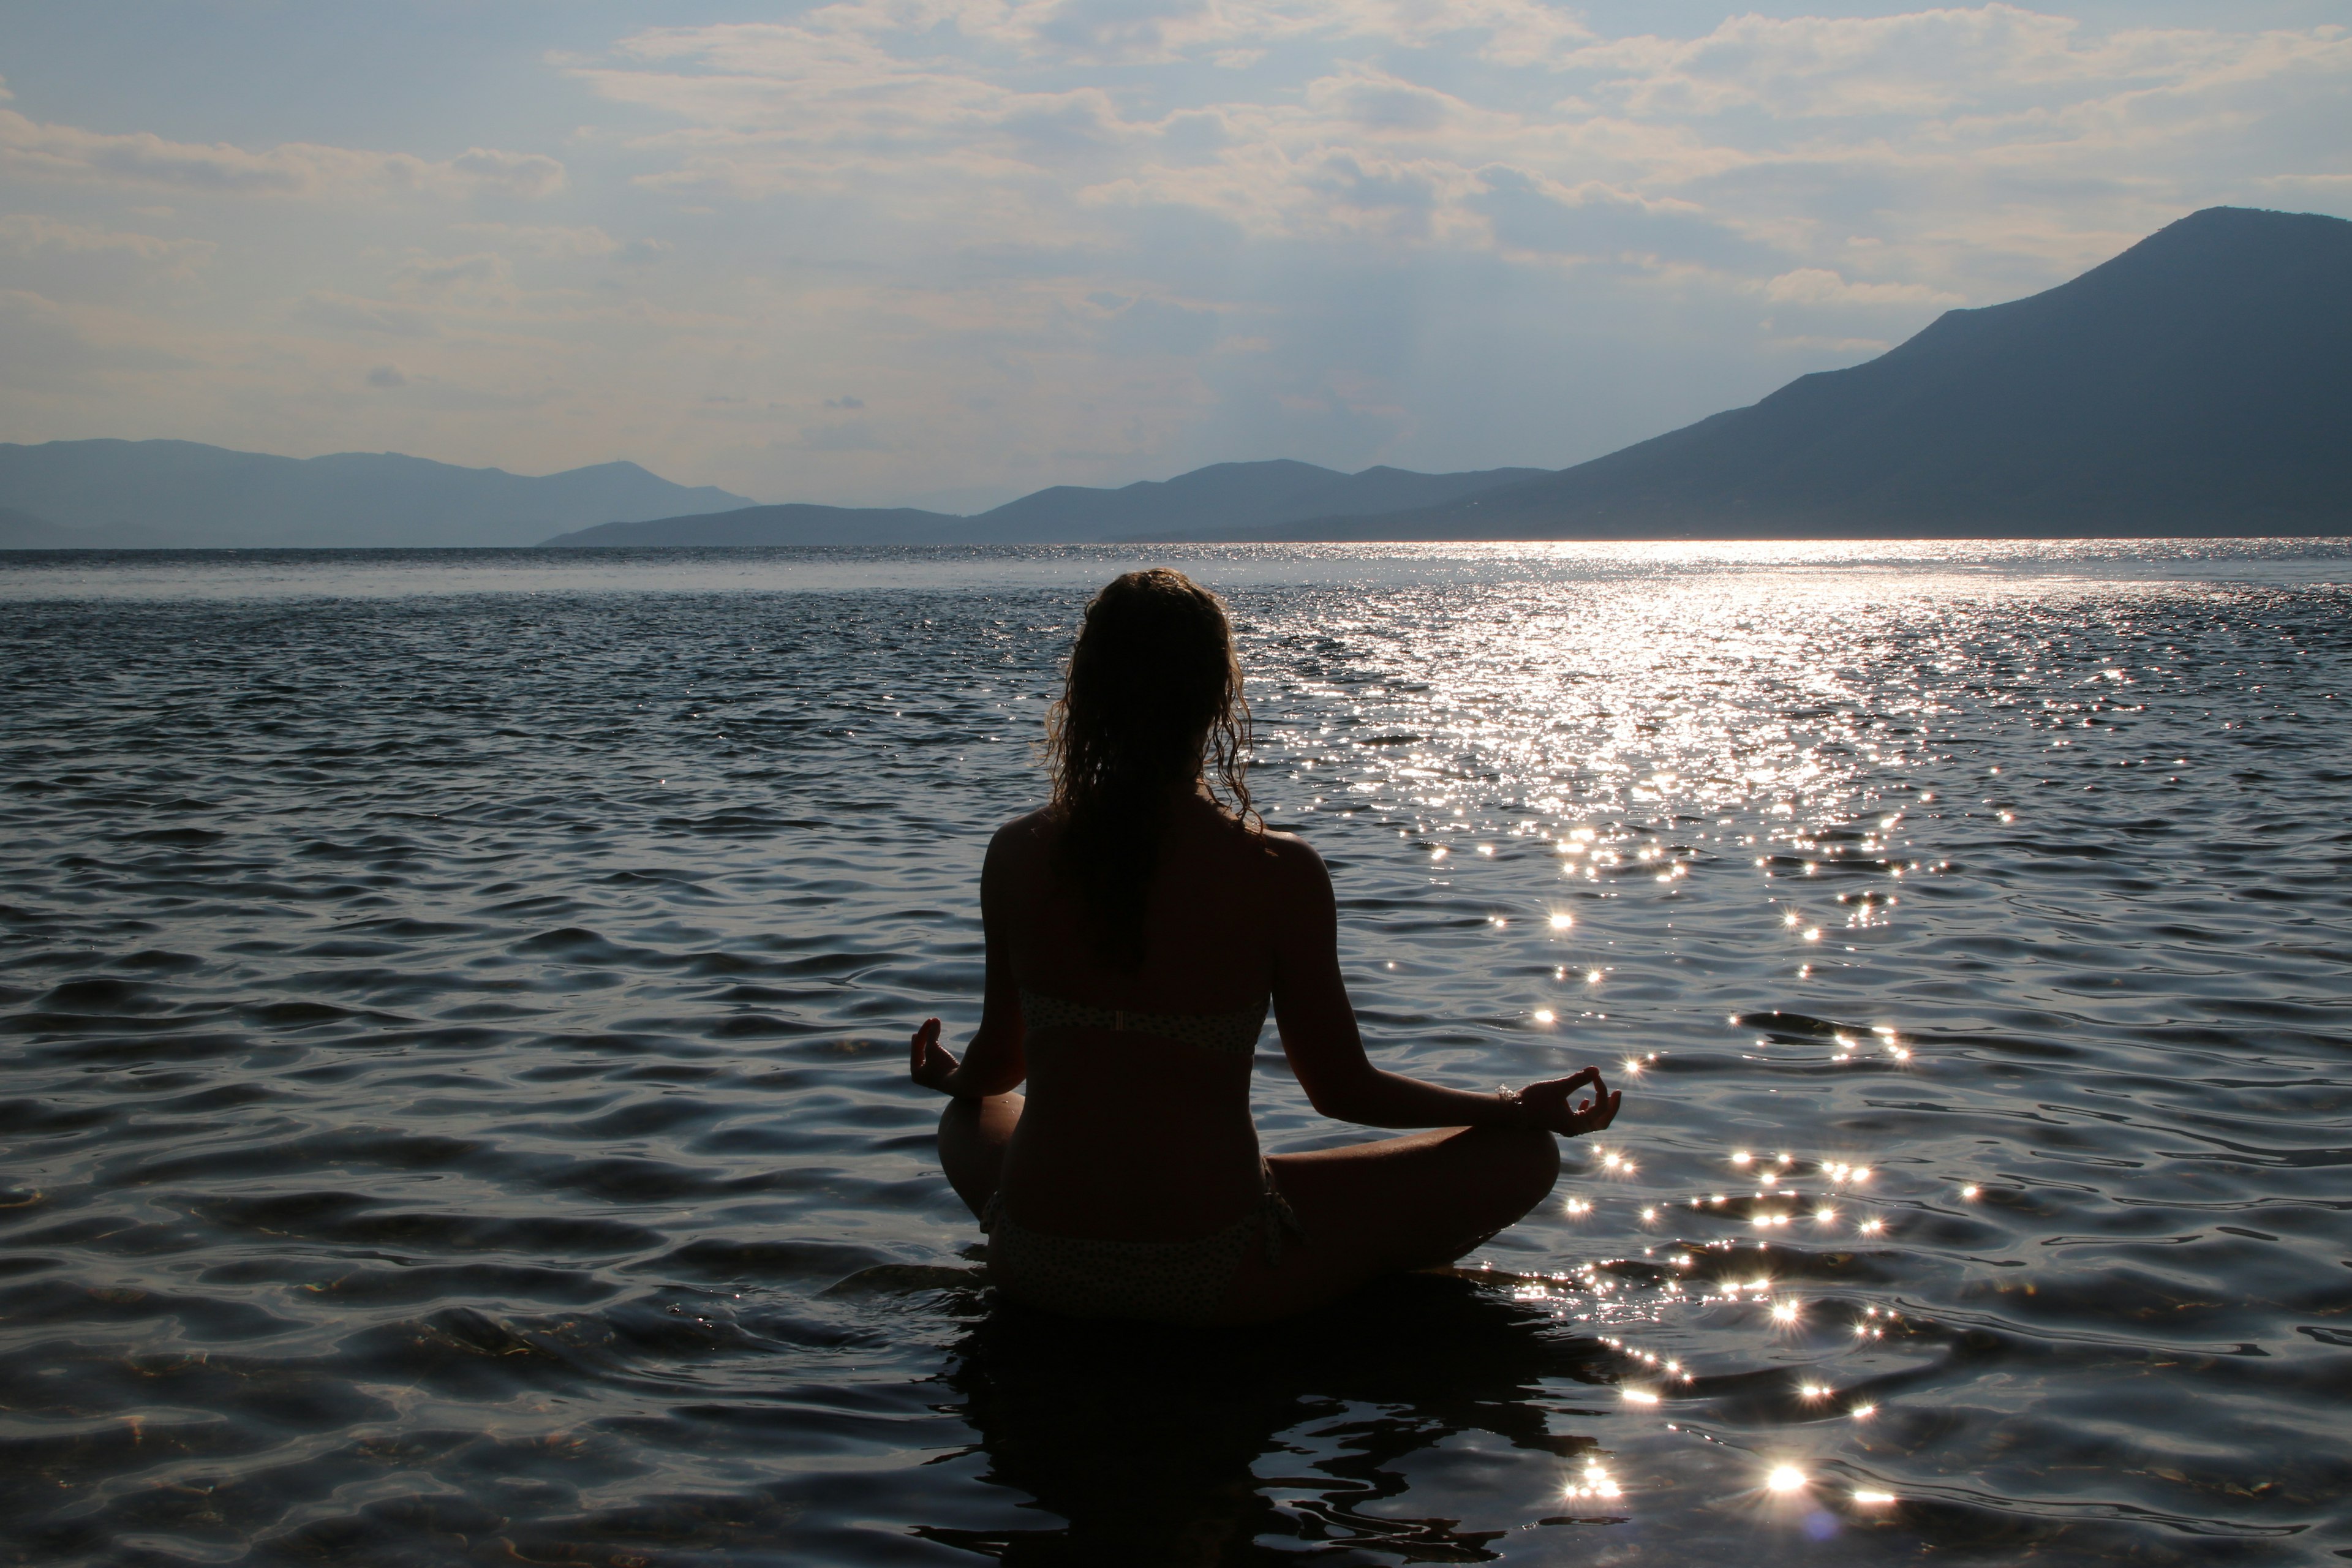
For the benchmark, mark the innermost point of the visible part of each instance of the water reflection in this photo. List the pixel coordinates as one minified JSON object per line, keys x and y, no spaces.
{"x":1191,"y":1446}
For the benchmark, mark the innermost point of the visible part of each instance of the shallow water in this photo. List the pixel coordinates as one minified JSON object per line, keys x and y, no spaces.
{"x":453,"y":1004}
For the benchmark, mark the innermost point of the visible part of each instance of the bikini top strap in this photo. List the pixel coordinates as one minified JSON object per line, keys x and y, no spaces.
{"x":1234,"y":1033}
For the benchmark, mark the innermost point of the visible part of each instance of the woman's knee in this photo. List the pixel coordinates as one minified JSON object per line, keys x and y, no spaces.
{"x":981,"y":1123}
{"x":1525,"y":1162}
{"x":972,"y":1136}
{"x":960,"y":1120}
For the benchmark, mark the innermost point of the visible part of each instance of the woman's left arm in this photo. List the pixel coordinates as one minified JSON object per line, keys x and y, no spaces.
{"x":994,"y":1062}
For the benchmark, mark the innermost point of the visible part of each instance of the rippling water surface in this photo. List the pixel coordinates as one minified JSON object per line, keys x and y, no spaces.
{"x":452,"y":1102}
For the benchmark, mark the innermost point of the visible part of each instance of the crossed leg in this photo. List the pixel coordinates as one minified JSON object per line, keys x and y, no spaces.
{"x":972,"y":1136}
{"x":1395,"y":1203}
{"x":1366,"y":1209}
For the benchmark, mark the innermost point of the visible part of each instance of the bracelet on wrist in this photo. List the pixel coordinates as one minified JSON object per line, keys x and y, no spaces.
{"x":1512,"y":1097}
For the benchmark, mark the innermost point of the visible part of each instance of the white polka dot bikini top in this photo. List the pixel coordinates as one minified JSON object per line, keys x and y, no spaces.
{"x":1235,"y":1034}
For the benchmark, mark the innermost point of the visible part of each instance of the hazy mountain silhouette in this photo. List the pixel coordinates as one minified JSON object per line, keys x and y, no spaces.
{"x":1239,"y":495}
{"x":23,"y":530}
{"x":2199,"y":383}
{"x":1228,"y":495}
{"x":796,"y":523}
{"x":183,"y":493}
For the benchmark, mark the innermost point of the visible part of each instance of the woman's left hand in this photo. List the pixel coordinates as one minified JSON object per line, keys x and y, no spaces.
{"x":930,"y":1062}
{"x":1553,"y":1104}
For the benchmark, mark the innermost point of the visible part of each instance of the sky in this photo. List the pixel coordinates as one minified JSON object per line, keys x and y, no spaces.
{"x":924,"y":252}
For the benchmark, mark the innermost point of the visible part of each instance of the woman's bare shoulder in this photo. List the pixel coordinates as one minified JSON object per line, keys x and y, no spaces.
{"x":1025,"y":839}
{"x":1287,"y":847}
{"x":1296,"y":868}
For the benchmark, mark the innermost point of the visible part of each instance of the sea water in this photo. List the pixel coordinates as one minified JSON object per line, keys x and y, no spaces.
{"x":453,"y":1100}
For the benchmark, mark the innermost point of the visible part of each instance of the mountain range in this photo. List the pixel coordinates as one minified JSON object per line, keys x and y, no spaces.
{"x":1244,"y":496}
{"x":180,"y":494}
{"x":2201,"y":383}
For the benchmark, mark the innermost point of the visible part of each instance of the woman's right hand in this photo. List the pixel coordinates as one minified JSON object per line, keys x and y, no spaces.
{"x":1553,"y":1105}
{"x":930,"y":1062}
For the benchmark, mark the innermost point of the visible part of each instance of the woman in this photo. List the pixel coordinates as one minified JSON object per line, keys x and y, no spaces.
{"x":1136,"y":928}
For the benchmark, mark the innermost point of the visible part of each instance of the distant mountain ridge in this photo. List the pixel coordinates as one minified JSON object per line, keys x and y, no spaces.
{"x":102,"y":493}
{"x":2201,"y":383}
{"x":23,"y":530}
{"x":1235,"y":495}
{"x":794,"y":522}
{"x":1248,"y":494}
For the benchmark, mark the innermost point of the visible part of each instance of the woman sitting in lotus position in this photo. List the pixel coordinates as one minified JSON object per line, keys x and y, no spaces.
{"x":1136,"y":928}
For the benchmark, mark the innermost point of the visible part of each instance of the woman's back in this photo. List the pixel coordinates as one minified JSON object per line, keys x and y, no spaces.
{"x":1171,"y":1114}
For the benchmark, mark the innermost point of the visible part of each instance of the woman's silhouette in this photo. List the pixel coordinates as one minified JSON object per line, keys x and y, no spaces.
{"x":1137,"y":927}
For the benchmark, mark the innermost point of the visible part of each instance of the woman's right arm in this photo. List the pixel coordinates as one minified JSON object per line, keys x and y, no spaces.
{"x":995,"y":1061}
{"x":1326,"y":1051}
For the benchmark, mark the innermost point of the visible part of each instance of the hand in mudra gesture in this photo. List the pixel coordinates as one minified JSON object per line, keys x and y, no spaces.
{"x":1553,"y":1103}
{"x":930,"y":1062}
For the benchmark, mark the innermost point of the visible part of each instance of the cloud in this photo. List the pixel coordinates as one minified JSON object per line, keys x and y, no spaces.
{"x":27,"y":236}
{"x":1820,"y":286}
{"x":294,"y":169}
{"x":839,"y":402}
{"x":2308,"y":188}
{"x":47,"y":346}
{"x":895,"y":101}
{"x":1160,"y":327}
{"x":1229,"y":33}
{"x":84,"y":262}
{"x":558,"y":243}
{"x":442,"y":396}
{"x":483,"y":273}
{"x":1836,"y":348}
{"x":346,"y":312}
{"x":37,"y":343}
{"x":855,"y":435}
{"x":1529,"y":213}
{"x":992,"y":122}
{"x":1930,"y":62}
{"x":480,"y":170}
{"x":548,"y":241}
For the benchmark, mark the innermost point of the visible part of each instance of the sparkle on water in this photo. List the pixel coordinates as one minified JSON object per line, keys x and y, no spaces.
{"x":456,"y":1006}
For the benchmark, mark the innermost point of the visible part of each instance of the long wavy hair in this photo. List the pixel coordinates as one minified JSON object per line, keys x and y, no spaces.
{"x":1152,"y":702}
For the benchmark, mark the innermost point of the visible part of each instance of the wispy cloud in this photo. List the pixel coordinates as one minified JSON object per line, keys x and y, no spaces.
{"x":552,"y":241}
{"x":48,"y":346}
{"x":345,"y":312}
{"x":290,"y":170}
{"x":1333,"y":126}
{"x":1820,"y":286}
{"x":480,"y":275}
{"x":26,"y":235}
{"x":59,"y":259}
